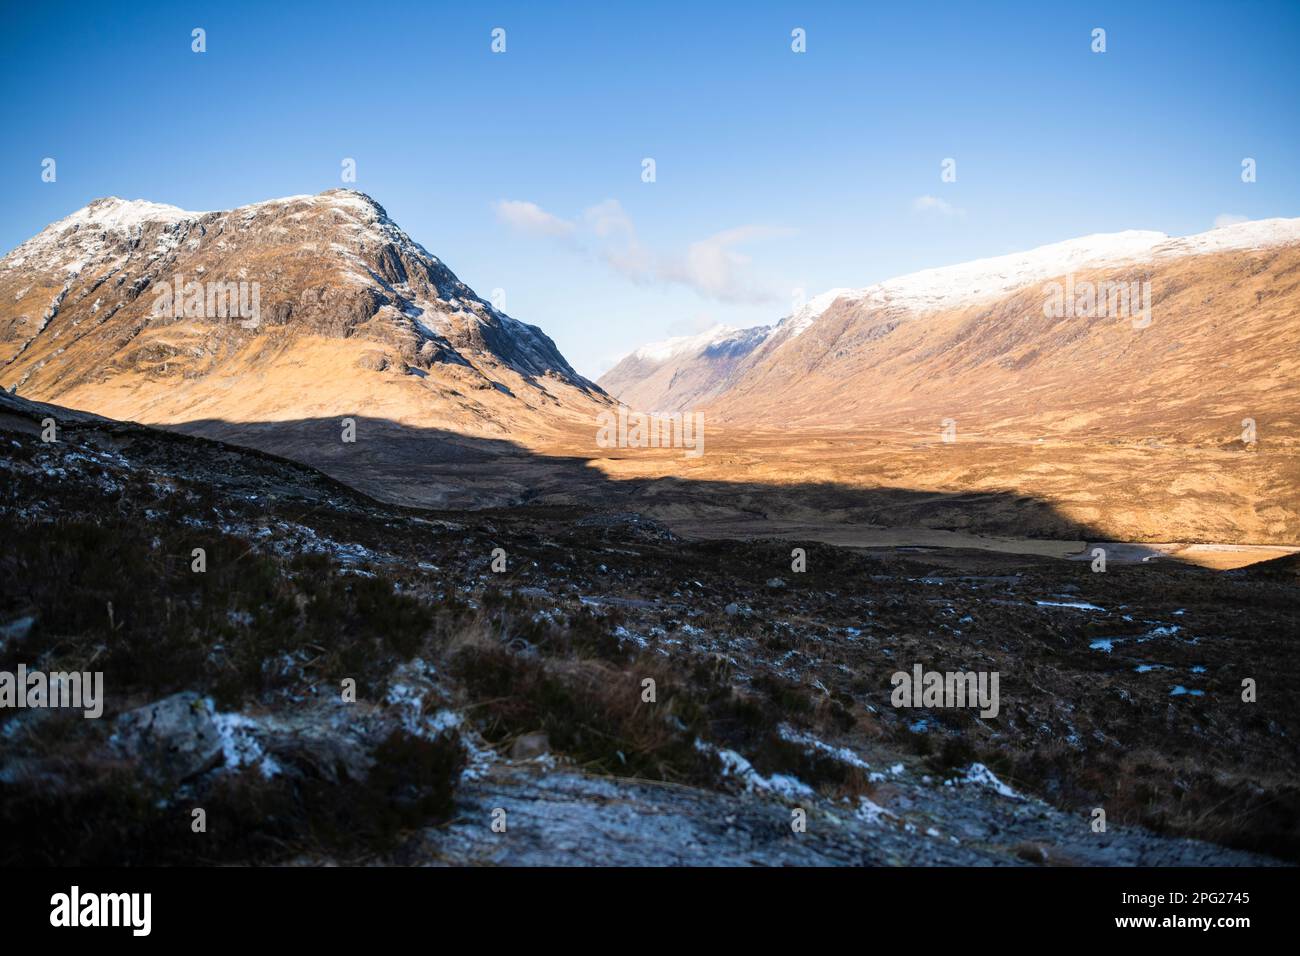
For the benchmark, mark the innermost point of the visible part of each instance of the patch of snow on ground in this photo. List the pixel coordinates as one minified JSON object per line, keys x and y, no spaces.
{"x":734,"y":765}
{"x":982,"y":776}
{"x":480,"y":758}
{"x":870,"y":812}
{"x":1077,"y":605}
{"x":842,"y":754}
{"x":239,"y":746}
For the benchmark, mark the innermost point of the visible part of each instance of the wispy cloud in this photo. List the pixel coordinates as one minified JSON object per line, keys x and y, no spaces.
{"x":531,"y":218}
{"x":714,"y":267}
{"x":1228,"y":219}
{"x":617,"y":242}
{"x":936,"y":206}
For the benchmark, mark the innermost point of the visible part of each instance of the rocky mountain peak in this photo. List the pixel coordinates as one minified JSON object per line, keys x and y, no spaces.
{"x":332,"y":264}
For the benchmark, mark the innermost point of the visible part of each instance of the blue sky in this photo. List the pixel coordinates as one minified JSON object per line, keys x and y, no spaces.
{"x":775,"y":170}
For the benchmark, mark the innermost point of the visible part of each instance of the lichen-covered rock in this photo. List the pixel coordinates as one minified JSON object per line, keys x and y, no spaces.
{"x":171,"y":739}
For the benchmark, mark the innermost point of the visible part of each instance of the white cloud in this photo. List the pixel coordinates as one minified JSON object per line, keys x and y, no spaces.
{"x":928,"y":204}
{"x":713,"y":267}
{"x":1228,"y":219}
{"x":617,"y":242}
{"x":531,"y":218}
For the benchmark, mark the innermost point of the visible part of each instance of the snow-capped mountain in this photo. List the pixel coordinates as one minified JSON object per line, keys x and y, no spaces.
{"x":822,"y":347}
{"x":678,"y":374}
{"x":289,"y":310}
{"x":114,"y":253}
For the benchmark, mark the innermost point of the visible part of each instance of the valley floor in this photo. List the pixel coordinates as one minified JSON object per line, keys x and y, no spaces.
{"x":895,"y":487}
{"x":859,"y":489}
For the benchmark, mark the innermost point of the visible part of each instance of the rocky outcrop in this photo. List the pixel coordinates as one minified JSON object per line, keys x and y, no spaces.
{"x":171,"y":739}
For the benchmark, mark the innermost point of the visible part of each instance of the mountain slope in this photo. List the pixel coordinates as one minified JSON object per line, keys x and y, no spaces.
{"x":678,"y":374}
{"x":981,"y":344}
{"x":973,"y":342}
{"x":344,"y":315}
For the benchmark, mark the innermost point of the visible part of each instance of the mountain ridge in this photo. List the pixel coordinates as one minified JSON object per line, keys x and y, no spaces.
{"x":653,"y":375}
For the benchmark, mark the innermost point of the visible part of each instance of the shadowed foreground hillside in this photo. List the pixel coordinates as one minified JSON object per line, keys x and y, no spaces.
{"x":524,"y":689}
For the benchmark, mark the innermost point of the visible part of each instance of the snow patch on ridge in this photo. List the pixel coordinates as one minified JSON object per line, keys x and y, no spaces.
{"x":1254,"y":234}
{"x":114,"y":213}
{"x":684,"y":344}
{"x":946,"y":287}
{"x":932,"y":290}
{"x":799,"y":321}
{"x":76,"y":241}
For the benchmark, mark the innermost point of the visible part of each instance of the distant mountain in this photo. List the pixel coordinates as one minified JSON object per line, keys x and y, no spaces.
{"x":250,"y":324}
{"x":681,"y":374}
{"x":979,"y":343}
